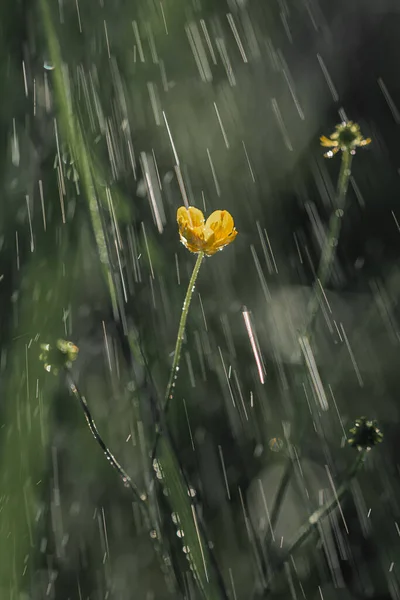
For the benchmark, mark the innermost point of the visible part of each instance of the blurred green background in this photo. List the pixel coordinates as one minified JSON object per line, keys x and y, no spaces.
{"x":101,"y":101}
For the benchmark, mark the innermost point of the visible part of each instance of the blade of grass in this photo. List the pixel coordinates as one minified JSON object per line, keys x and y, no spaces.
{"x":71,"y":130}
{"x":312,"y":523}
{"x":188,"y":524}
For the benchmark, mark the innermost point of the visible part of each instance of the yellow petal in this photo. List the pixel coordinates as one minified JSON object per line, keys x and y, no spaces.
{"x":191,"y":247}
{"x":219,"y":231}
{"x":191,"y":228}
{"x":189,"y":217}
{"x":327,"y":142}
{"x":222,"y":242}
{"x":207,"y":237}
{"x":221,"y":222}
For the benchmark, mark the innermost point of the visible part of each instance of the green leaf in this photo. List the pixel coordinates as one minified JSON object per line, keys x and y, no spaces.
{"x":193,"y":542}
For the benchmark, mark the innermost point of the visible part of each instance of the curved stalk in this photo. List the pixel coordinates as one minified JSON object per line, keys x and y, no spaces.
{"x":140,"y":497}
{"x":313,"y":521}
{"x":322,"y":277}
{"x":169,"y":392}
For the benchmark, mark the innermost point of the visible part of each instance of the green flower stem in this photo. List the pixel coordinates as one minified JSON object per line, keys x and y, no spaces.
{"x":181,"y":331}
{"x":329,"y":250}
{"x":205,"y":569}
{"x":178,"y":346}
{"x":323,"y":273}
{"x":324,"y":269}
{"x":140,"y":497}
{"x":314,"y":520}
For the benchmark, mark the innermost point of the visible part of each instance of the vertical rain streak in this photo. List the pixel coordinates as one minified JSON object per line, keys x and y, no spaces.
{"x":254,"y":344}
{"x":200,"y":56}
{"x":313,"y":372}
{"x":150,"y":175}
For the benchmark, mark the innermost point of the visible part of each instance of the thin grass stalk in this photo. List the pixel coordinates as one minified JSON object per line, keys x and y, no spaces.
{"x":314,"y":520}
{"x":71,"y":130}
{"x":75,"y":137}
{"x":195,"y":545}
{"x":140,"y":497}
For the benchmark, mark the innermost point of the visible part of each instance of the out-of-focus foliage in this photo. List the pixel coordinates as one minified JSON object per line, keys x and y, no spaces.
{"x":112,"y":114}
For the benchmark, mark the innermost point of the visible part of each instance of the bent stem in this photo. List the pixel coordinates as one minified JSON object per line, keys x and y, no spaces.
{"x":178,"y":346}
{"x":314,"y":520}
{"x":329,"y":249}
{"x":322,"y":277}
{"x":140,"y":497}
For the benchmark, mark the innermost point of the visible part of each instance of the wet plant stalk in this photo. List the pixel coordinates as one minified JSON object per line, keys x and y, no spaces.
{"x":314,"y":520}
{"x":181,"y":330}
{"x":165,"y":458}
{"x":71,"y":131}
{"x":178,"y":346}
{"x":324,"y":269}
{"x":332,"y":239}
{"x":206,"y":573}
{"x":140,"y":497}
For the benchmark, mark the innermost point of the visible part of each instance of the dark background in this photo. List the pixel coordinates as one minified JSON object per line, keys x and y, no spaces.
{"x":58,"y":495}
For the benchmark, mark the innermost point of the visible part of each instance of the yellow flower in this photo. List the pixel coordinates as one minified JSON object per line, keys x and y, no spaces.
{"x":208,"y":236}
{"x":347,"y":137}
